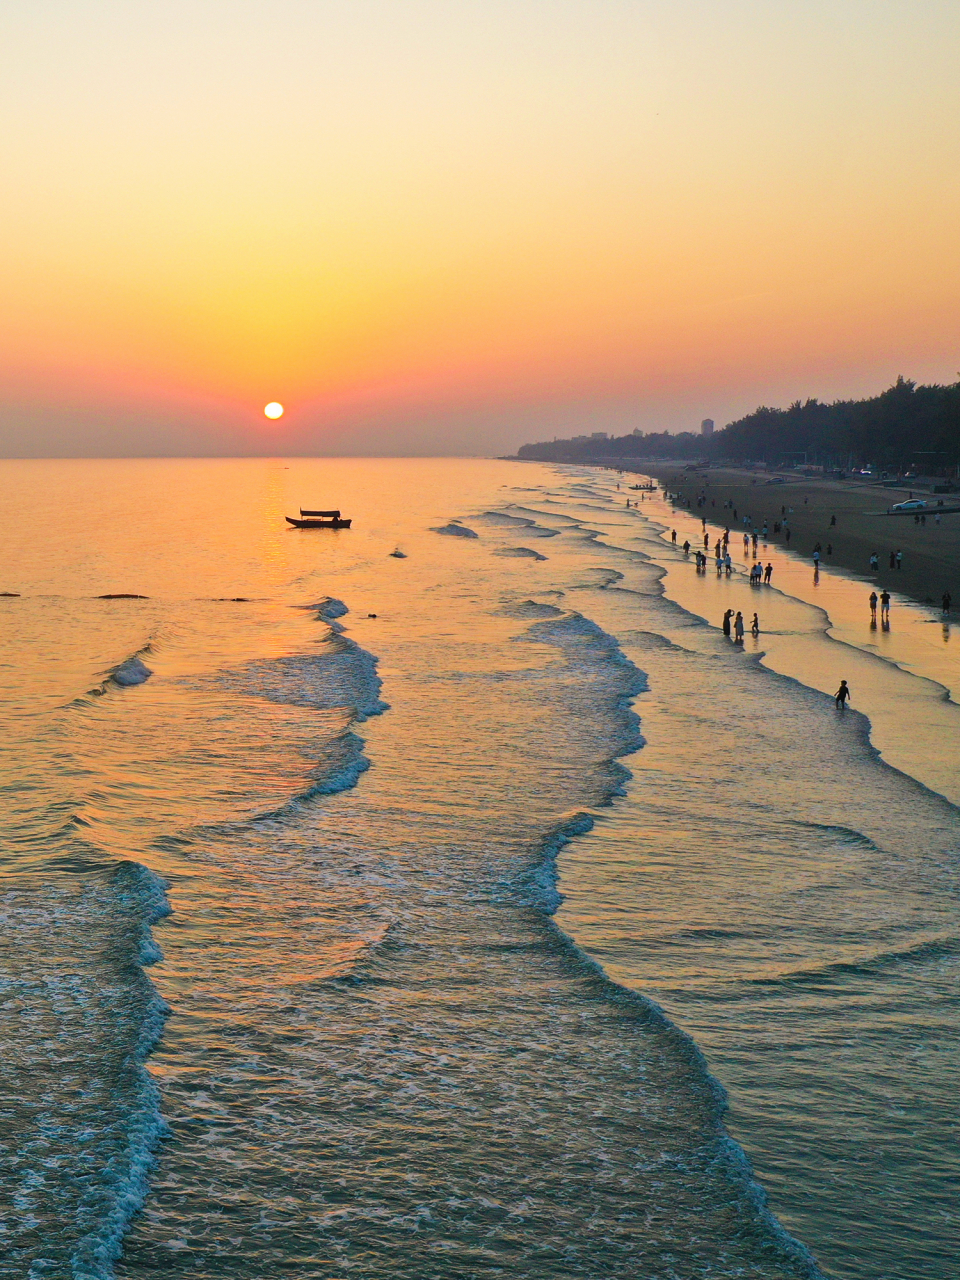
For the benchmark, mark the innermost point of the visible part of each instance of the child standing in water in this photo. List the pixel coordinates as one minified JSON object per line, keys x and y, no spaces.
{"x":755,"y":627}
{"x":842,"y":694}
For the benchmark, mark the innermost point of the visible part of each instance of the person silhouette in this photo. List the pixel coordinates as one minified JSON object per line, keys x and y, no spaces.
{"x":842,"y":695}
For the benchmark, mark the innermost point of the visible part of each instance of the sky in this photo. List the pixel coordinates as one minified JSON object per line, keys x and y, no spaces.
{"x":451,"y":227}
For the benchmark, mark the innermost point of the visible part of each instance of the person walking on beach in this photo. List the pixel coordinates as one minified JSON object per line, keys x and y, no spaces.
{"x":768,"y":572}
{"x":945,"y":605}
{"x":738,"y":628}
{"x":726,"y":621}
{"x":873,"y":605}
{"x":673,"y":536}
{"x":842,"y":694}
{"x":816,"y":562}
{"x":755,"y":627}
{"x":885,"y":605}
{"x":728,"y":564}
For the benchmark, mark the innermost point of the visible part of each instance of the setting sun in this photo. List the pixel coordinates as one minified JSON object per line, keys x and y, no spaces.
{"x":273,"y":410}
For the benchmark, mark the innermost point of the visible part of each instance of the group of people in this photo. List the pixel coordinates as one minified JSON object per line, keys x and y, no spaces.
{"x":733,"y":624}
{"x":896,"y":560}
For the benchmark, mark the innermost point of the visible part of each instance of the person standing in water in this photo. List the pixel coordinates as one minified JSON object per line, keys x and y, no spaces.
{"x":755,"y":627}
{"x":768,"y":572}
{"x":726,"y":621}
{"x":885,"y":605}
{"x":738,"y":628}
{"x":873,"y":605}
{"x":842,"y":694}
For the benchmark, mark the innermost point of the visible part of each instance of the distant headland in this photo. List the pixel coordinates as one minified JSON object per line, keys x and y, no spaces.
{"x":907,"y":428}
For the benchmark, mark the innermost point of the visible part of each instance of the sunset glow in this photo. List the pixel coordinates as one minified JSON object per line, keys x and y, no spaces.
{"x":481,"y":220}
{"x":273,"y":410}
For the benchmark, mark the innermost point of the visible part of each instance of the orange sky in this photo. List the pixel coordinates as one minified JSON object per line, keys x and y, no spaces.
{"x":452,"y":227}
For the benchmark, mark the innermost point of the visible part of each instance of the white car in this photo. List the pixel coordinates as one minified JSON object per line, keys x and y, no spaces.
{"x":915,"y":504}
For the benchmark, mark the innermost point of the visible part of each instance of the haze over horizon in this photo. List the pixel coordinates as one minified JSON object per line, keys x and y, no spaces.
{"x":431,"y":228}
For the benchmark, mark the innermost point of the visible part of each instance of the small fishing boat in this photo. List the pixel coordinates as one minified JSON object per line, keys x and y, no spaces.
{"x":318,"y":520}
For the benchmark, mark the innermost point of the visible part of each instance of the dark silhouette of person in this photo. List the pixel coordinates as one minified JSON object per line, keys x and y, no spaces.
{"x":842,"y":694}
{"x":755,"y":627}
{"x":726,"y":621}
{"x":945,"y":603}
{"x":738,"y":628}
{"x":885,"y":604}
{"x":873,"y":604}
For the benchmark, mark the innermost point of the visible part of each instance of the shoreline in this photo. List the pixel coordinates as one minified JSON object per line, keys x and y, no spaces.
{"x":931,"y":553}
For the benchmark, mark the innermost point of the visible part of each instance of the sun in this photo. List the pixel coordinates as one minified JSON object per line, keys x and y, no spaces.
{"x":273,"y":410}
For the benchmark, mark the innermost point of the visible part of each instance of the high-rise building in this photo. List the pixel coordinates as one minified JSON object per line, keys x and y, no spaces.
{"x":706,"y":427}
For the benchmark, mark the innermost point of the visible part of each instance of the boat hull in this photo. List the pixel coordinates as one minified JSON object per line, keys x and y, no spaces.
{"x":317,"y":524}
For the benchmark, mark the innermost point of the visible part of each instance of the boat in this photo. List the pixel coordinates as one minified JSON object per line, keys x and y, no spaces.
{"x":318,"y":520}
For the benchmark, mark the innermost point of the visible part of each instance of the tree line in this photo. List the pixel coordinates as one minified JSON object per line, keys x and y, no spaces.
{"x":905,"y":428}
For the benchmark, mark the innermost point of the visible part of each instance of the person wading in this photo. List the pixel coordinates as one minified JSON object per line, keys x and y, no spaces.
{"x":842,"y":695}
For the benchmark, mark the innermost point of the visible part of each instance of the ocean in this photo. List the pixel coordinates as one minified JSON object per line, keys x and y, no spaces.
{"x":474,"y":911}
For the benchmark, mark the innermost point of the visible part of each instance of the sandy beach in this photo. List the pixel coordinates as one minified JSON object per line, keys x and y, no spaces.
{"x":931,"y":553}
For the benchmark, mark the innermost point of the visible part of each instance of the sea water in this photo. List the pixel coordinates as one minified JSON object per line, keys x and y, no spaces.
{"x":481,"y":912}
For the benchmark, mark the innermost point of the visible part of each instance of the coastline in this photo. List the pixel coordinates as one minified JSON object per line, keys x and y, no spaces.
{"x":931,"y":554}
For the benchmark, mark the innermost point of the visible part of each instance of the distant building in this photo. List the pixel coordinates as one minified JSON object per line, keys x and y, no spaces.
{"x":598,"y":435}
{"x":706,"y":427}
{"x":637,"y":431}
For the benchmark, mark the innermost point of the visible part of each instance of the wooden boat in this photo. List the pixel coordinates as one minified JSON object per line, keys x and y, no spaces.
{"x":318,"y":520}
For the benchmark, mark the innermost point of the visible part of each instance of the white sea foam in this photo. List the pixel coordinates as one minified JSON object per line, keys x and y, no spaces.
{"x":453,"y":530}
{"x":132,"y":671}
{"x":519,"y":553}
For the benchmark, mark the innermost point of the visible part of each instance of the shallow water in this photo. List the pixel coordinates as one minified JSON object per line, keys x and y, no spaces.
{"x":367,"y":1048}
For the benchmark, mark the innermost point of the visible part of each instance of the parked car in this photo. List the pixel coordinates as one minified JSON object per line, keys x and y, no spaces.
{"x":914,"y":504}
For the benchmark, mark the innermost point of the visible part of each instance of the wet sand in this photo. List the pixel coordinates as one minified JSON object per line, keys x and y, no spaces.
{"x":931,"y":554}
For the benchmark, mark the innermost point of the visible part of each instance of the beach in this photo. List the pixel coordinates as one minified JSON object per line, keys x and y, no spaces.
{"x":931,"y":553}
